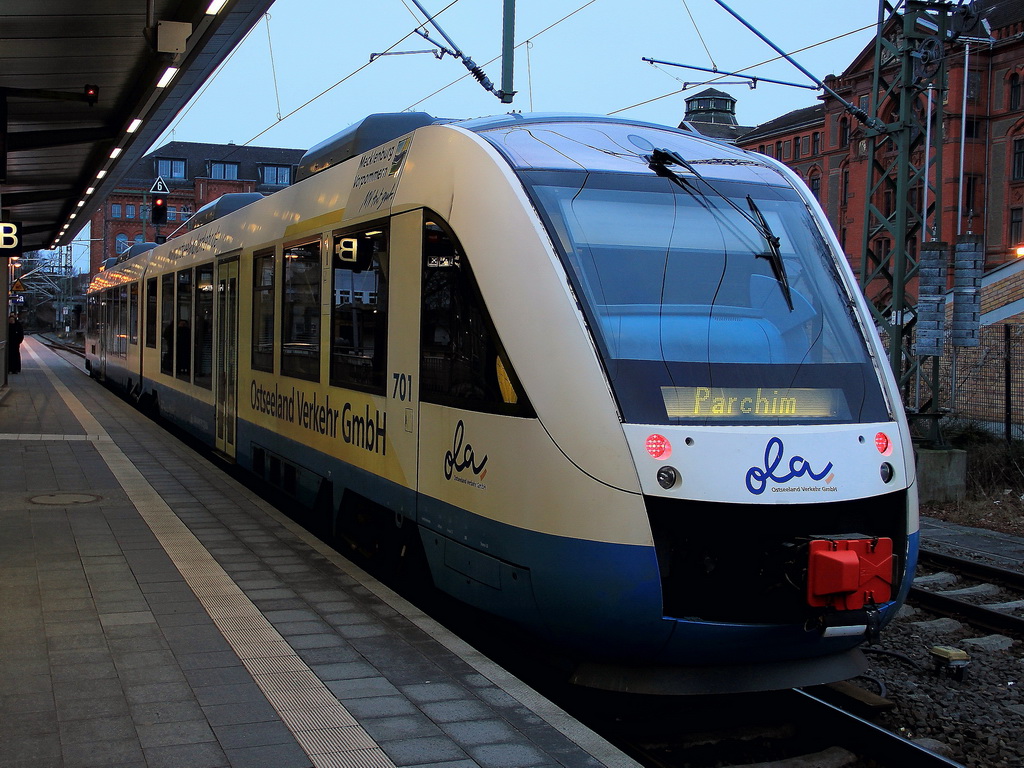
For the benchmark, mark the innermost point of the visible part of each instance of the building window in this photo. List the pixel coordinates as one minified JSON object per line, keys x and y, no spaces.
{"x":359,"y":315}
{"x":300,"y":312}
{"x":129,"y":211}
{"x":220,"y":170}
{"x":796,"y":148}
{"x":115,"y":211}
{"x":1014,"y":91}
{"x":972,"y":129}
{"x":815,"y":143}
{"x":844,"y":186}
{"x":277,"y":174}
{"x":844,"y":132}
{"x":263,"y":311}
{"x":170,"y":168}
{"x":172,"y":214}
{"x":120,"y":244}
{"x":815,"y":185}
{"x":1018,"y":159}
{"x":1016,"y":226}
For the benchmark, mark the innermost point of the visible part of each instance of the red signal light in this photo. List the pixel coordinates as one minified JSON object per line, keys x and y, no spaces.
{"x":159,"y":209}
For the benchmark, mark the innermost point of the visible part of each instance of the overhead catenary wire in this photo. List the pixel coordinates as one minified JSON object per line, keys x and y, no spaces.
{"x":529,"y":40}
{"x":349,"y":76}
{"x":209,"y":82}
{"x":700,"y":37}
{"x":529,"y":73}
{"x":518,"y":45}
{"x":273,"y":67}
{"x":744,"y":69}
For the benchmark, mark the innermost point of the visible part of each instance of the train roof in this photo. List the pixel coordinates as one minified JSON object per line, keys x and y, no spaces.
{"x":222,"y":206}
{"x":370,"y":132}
{"x":570,"y":142}
{"x":610,"y":144}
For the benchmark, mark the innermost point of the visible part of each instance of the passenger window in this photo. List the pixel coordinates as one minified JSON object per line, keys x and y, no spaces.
{"x":133,"y":314}
{"x":183,"y":326}
{"x":263,"y":311}
{"x":463,"y":363}
{"x":203,"y":356}
{"x":122,"y":321}
{"x":359,"y":315}
{"x":151,"y":313}
{"x":167,"y":324}
{"x":300,"y":351}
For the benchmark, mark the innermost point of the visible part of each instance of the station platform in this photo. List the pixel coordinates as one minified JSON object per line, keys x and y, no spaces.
{"x":153,"y":612}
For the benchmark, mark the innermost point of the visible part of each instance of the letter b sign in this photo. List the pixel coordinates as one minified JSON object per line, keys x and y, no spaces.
{"x":8,"y":236}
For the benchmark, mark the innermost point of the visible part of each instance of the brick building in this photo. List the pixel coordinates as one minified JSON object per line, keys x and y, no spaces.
{"x":983,"y":145}
{"x":196,"y":174}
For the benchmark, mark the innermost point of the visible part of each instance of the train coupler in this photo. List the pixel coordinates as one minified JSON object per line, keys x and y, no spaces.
{"x":850,"y":572}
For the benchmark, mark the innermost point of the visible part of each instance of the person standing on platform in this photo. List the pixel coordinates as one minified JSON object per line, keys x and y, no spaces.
{"x":15,"y":335}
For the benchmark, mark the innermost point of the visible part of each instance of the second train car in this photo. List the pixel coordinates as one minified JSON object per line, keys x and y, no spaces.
{"x":616,"y":380}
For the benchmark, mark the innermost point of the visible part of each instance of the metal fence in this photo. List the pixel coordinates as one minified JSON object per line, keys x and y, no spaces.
{"x":985,"y":384}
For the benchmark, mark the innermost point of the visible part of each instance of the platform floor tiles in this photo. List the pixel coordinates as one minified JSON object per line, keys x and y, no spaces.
{"x":155,"y":613}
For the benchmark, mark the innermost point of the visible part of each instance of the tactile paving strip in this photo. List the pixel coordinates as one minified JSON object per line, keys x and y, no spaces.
{"x":318,"y":721}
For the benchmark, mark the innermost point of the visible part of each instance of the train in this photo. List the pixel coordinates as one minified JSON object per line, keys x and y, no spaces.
{"x":611,"y":381}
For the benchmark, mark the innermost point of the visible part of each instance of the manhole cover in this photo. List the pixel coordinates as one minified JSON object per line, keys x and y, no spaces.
{"x":64,"y":499}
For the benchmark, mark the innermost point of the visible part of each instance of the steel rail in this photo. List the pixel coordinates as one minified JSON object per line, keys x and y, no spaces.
{"x":865,"y":738}
{"x":975,"y":615}
{"x":1010,"y":578}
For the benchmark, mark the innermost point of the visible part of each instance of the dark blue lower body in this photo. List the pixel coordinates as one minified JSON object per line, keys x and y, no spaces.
{"x":601,"y":600}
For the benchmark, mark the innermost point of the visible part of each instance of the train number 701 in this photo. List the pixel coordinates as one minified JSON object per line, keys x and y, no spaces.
{"x":403,"y":386}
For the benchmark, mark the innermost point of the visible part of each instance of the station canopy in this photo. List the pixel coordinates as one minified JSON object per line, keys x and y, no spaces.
{"x":82,"y":79}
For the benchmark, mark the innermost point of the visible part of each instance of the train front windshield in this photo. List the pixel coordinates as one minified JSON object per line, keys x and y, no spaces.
{"x":712,"y":302}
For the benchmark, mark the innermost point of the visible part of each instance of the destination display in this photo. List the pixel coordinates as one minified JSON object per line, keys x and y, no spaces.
{"x":753,"y":403}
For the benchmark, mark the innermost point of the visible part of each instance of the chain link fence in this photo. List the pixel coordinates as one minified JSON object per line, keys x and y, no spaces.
{"x":984,"y":385}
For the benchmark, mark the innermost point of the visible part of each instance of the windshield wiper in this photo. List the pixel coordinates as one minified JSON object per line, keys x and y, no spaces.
{"x":659,"y":160}
{"x":774,"y":255}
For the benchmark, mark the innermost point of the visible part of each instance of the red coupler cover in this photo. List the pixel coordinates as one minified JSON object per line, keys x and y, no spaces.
{"x":844,"y":574}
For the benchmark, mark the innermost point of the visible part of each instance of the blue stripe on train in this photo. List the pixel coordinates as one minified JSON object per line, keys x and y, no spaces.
{"x":602,"y":598}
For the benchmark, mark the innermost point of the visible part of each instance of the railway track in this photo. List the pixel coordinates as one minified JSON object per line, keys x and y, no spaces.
{"x":782,"y":728}
{"x":61,"y":346}
{"x":984,"y":596}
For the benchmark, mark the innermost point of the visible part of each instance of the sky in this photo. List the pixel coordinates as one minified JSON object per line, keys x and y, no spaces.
{"x":304,"y":73}
{"x":309,"y":62}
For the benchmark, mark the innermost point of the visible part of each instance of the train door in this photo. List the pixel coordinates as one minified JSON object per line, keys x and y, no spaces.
{"x":226,"y":343}
{"x":403,"y":400}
